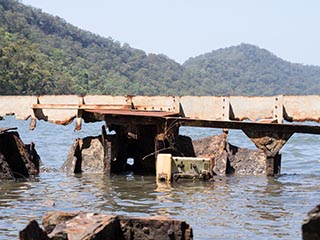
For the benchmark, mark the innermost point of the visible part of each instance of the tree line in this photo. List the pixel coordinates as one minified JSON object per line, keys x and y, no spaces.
{"x":43,"y":54}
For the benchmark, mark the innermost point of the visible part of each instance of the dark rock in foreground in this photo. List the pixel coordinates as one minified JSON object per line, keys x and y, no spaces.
{"x":17,"y":160}
{"x":311,"y":225}
{"x":33,"y":231}
{"x":91,"y":226}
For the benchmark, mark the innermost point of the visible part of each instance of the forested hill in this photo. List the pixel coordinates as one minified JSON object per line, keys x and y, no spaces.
{"x":43,"y":54}
{"x":249,"y":70}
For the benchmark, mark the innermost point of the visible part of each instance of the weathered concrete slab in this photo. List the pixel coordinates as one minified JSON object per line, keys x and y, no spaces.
{"x":53,"y":113}
{"x":18,"y":105}
{"x":302,"y":108}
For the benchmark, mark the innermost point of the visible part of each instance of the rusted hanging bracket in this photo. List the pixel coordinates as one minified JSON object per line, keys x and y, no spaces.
{"x":79,"y":114}
{"x":270,"y":143}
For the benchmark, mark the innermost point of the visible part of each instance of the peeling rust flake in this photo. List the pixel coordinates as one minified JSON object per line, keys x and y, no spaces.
{"x":63,"y":122}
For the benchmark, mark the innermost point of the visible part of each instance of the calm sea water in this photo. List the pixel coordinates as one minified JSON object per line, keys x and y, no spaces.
{"x":228,"y":208}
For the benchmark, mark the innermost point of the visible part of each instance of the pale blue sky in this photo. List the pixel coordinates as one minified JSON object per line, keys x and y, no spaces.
{"x":186,"y":28}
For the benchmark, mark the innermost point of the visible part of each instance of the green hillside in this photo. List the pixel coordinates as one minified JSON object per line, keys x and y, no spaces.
{"x":249,"y":70}
{"x":43,"y":54}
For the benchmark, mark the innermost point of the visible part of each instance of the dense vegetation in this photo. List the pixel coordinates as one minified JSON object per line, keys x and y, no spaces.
{"x":249,"y":70}
{"x":43,"y":54}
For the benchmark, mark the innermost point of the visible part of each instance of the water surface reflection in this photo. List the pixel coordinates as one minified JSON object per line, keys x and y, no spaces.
{"x":226,"y":208}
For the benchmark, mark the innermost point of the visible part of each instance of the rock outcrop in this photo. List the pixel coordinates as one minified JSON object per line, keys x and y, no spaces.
{"x":96,"y":154}
{"x":33,"y":232}
{"x":17,"y":160}
{"x":89,"y":154}
{"x":92,"y":226}
{"x":229,"y":159}
{"x":311,"y":225}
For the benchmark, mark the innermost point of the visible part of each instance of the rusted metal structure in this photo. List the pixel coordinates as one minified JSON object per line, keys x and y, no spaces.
{"x":146,"y":125}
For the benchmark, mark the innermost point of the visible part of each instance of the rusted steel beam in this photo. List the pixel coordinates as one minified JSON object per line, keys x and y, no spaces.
{"x":257,"y":126}
{"x":54,"y":106}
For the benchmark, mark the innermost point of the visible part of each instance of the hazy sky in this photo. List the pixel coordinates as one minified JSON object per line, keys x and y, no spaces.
{"x":186,"y":28}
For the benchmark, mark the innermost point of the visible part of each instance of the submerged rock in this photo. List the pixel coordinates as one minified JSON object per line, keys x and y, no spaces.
{"x":5,"y":170}
{"x":229,"y":159}
{"x":311,"y":225}
{"x":89,"y":155}
{"x":33,"y":232}
{"x":93,"y":226}
{"x":17,"y":160}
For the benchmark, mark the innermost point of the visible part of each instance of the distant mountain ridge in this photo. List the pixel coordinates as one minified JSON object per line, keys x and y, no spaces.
{"x":43,"y":54}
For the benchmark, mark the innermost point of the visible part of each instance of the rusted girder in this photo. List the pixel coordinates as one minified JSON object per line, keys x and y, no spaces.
{"x":256,"y":126}
{"x":270,"y":143}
